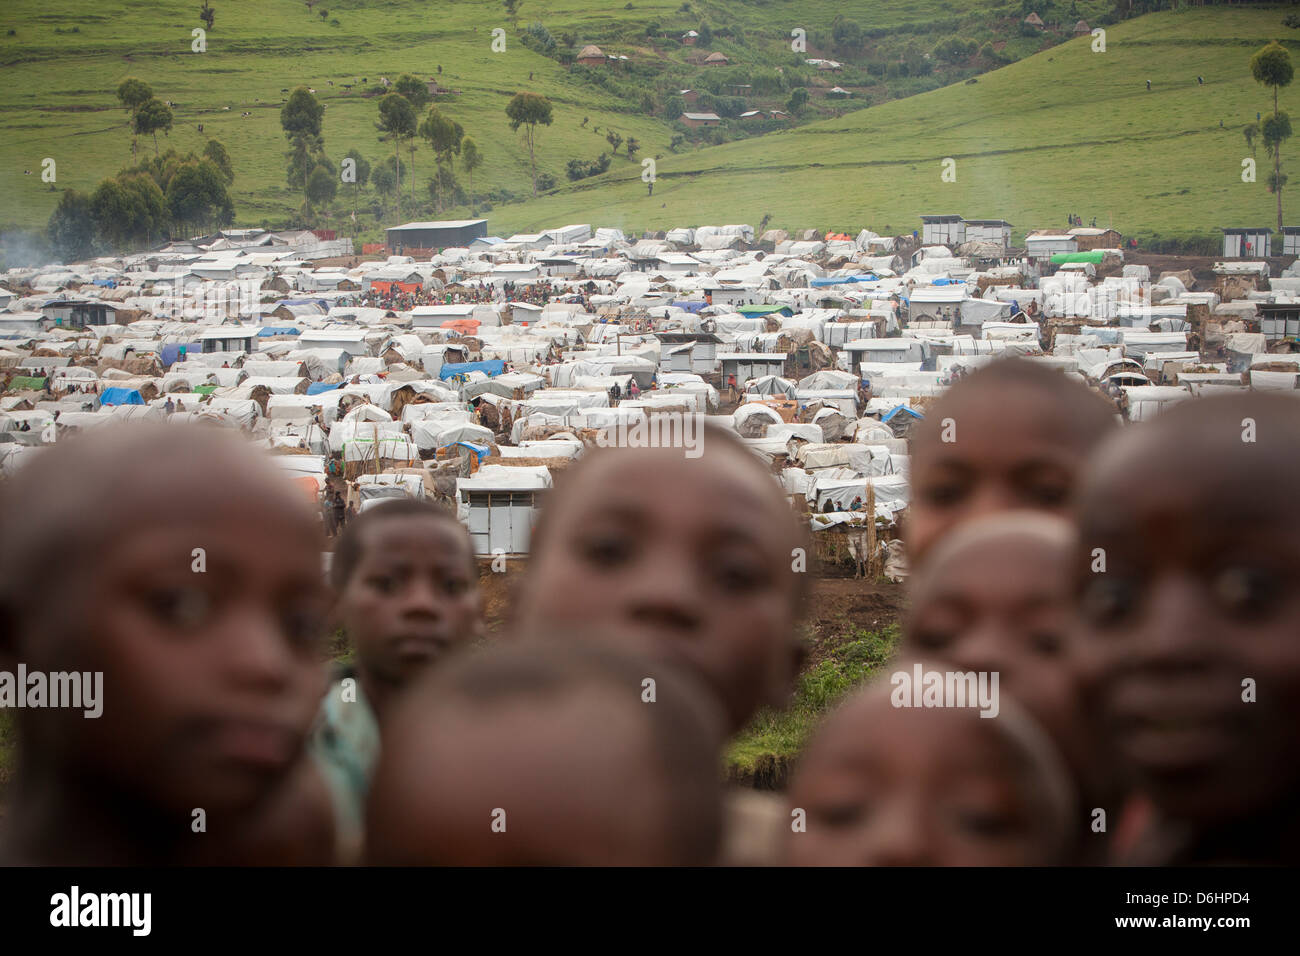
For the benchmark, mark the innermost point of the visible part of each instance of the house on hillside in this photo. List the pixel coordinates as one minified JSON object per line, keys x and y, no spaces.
{"x":1291,"y":240}
{"x":689,"y":97}
{"x":1081,"y":29}
{"x":79,"y":313}
{"x":740,"y":89}
{"x":947,"y":231}
{"x":1247,"y":243}
{"x":996,"y":231}
{"x":716,"y":59}
{"x":837,"y":93}
{"x":752,"y":115}
{"x":694,"y":120}
{"x":590,"y":55}
{"x":1093,"y":238}
{"x":437,"y":234}
{"x":780,"y":115}
{"x":689,"y":37}
{"x":1044,"y":245}
{"x":1034,"y":20}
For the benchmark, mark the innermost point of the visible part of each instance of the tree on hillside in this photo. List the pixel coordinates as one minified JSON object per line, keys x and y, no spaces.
{"x":798,"y":100}
{"x":132,"y":92}
{"x":386,"y":176}
{"x":216,"y":153}
{"x":321,"y":188}
{"x":528,"y":110}
{"x":1272,"y":67}
{"x":361,"y":174}
{"x":301,"y":113}
{"x":397,"y":120}
{"x":70,"y":229}
{"x":512,"y":10}
{"x":470,"y":160}
{"x":615,"y":140}
{"x":197,"y":198}
{"x":151,"y":116}
{"x":445,"y":136}
{"x":306,"y":152}
{"x":414,"y":90}
{"x":128,"y":210}
{"x":633,"y":147}
{"x":207,"y":14}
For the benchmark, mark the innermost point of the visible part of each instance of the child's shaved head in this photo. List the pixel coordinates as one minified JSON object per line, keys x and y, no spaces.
{"x":690,"y":559}
{"x":1188,"y":578}
{"x":895,"y":786}
{"x":1014,"y":434}
{"x":555,"y":754}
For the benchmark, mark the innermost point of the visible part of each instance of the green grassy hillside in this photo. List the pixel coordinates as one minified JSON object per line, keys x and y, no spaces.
{"x":1067,"y":130}
{"x":1064,"y":130}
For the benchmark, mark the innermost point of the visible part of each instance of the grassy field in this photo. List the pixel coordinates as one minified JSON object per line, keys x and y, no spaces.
{"x":64,"y":60}
{"x":1066,"y":131}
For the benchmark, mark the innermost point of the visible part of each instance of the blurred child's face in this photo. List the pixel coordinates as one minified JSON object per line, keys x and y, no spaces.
{"x":411,"y":597}
{"x":886,"y":786}
{"x":211,"y":678}
{"x":1013,"y":447}
{"x":690,"y":557}
{"x":1201,"y":592}
{"x":1002,"y":604}
{"x":577,"y":779}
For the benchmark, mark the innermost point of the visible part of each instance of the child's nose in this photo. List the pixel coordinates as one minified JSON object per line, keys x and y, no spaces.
{"x":982,"y":648}
{"x":1174,"y":627}
{"x":258,"y":651}
{"x":421,"y":597}
{"x":896,"y":836}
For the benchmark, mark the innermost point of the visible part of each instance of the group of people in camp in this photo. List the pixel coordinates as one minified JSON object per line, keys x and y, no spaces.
{"x":1126,"y":599}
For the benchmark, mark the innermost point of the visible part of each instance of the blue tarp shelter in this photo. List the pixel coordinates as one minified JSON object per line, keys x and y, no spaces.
{"x":269,"y":330}
{"x":170,"y":354}
{"x":315,"y":388}
{"x":481,"y":451}
{"x":120,"y":396}
{"x":690,"y":305}
{"x":453,"y":369}
{"x":889,"y":416}
{"x":842,"y":280}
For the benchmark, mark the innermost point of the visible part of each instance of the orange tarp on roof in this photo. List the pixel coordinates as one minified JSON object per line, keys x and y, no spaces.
{"x":463,"y":326}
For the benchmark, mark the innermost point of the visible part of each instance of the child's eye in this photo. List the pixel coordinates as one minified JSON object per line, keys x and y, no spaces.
{"x":839,"y":815}
{"x":1047,"y":643}
{"x":606,"y":550}
{"x":1246,"y":592}
{"x":455,"y":587}
{"x":986,"y":824}
{"x":1107,"y":600}
{"x":944,"y":494}
{"x":183,"y":608}
{"x":1047,"y":495}
{"x":383,"y":583}
{"x":738,"y":576}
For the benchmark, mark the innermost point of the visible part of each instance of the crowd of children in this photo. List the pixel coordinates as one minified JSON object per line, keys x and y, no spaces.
{"x":1134,"y":591}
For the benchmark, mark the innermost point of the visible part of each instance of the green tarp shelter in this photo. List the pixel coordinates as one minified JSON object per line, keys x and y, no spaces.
{"x":1093,"y":255}
{"x":24,"y":383}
